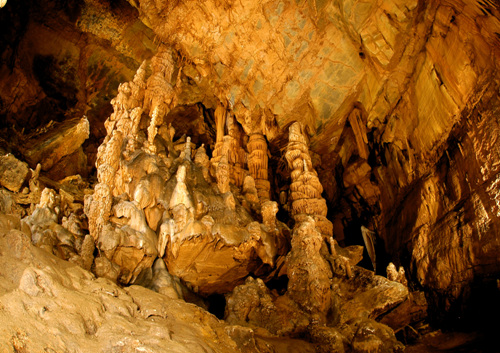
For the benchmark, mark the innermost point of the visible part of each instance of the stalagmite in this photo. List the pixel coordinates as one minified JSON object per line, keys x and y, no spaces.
{"x":305,"y":188}
{"x":309,"y":273}
{"x":180,"y":194}
{"x":258,"y":164}
{"x":154,"y":198}
{"x":343,"y":111}
{"x":229,"y":145}
{"x":223,"y":175}
{"x":201,"y":159}
{"x":159,"y":96}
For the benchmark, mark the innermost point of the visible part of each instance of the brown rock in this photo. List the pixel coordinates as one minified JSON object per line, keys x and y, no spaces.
{"x":13,"y":172}
{"x":254,"y":304}
{"x":365,"y":294}
{"x":51,"y":146}
{"x":309,"y":275}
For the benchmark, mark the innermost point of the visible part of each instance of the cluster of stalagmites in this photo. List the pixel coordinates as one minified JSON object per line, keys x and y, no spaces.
{"x":165,"y":215}
{"x":161,"y":197}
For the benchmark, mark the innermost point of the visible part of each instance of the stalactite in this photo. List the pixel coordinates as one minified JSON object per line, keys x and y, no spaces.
{"x":159,"y":96}
{"x":369,"y":239}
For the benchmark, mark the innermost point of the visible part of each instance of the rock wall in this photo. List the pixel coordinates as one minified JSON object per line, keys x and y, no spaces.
{"x":60,"y":62}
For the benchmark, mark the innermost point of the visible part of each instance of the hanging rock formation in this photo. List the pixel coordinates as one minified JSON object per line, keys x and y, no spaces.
{"x":258,"y":164}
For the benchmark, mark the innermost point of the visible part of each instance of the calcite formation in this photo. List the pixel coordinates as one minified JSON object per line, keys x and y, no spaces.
{"x":369,"y":124}
{"x":44,"y":297}
{"x":258,"y":164}
{"x":305,"y":188}
{"x":228,"y":148}
{"x":153,"y":198}
{"x":326,"y":305}
{"x":309,"y":275}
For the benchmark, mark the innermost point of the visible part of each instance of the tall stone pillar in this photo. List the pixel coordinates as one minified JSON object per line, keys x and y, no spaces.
{"x":258,"y":164}
{"x":305,"y":189}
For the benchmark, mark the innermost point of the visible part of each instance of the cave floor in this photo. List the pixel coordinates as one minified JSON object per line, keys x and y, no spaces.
{"x":453,"y":341}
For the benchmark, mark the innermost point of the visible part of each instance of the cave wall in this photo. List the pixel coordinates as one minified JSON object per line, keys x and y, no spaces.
{"x":65,"y":59}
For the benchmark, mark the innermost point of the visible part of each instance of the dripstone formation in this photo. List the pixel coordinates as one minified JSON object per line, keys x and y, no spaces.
{"x":248,"y":176}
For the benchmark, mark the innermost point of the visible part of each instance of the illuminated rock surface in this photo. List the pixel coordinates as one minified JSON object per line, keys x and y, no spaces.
{"x":240,"y":155}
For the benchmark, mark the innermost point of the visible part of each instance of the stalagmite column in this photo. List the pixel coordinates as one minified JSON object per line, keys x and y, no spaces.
{"x":258,"y":163}
{"x":160,"y":96}
{"x":122,"y":239}
{"x":309,"y":274}
{"x":220,"y":123}
{"x":305,"y":189}
{"x":230,"y":145}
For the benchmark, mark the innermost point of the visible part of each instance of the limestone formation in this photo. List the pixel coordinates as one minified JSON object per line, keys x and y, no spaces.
{"x":396,"y":275}
{"x":53,"y":298}
{"x":229,"y":147}
{"x":258,"y":164}
{"x":201,"y":158}
{"x":305,"y":188}
{"x":309,"y":274}
{"x":254,"y":304}
{"x":368,"y":122}
{"x":154,"y":199}
{"x":369,"y":240}
{"x":65,"y":238}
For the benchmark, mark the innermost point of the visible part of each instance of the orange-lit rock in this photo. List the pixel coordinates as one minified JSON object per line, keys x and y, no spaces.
{"x":367,"y":124}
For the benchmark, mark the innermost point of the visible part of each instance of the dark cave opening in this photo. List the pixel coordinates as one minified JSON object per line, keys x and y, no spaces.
{"x":279,"y":284}
{"x":217,"y":305}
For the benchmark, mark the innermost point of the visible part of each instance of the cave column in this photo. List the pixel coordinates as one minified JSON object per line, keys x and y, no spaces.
{"x":160,"y":96}
{"x":220,"y":123}
{"x":305,"y":188}
{"x":231,"y":146}
{"x":258,"y":165}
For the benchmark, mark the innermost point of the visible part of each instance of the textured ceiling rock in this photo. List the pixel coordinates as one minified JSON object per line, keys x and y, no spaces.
{"x":302,"y":60}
